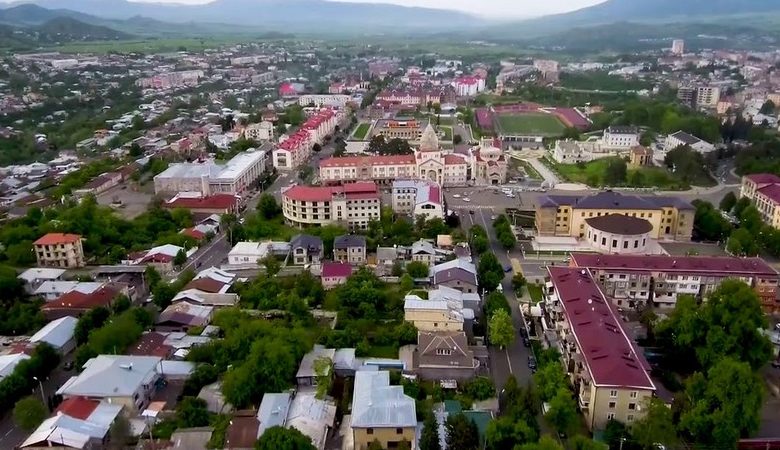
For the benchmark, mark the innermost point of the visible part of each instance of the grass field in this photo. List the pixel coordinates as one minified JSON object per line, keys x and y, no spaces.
{"x":531,"y":124}
{"x":361,"y":131}
{"x":447,"y":133}
{"x":592,"y":174}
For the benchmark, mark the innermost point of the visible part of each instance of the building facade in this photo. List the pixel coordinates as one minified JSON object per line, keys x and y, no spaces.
{"x":488,"y":163}
{"x":381,"y":412}
{"x":619,"y":137}
{"x":763,"y":190}
{"x":610,"y":377}
{"x":566,"y":215}
{"x":682,"y":138}
{"x":209,"y":178}
{"x":635,"y":280}
{"x":353,"y":205}
{"x":59,"y":250}
{"x":418,"y":198}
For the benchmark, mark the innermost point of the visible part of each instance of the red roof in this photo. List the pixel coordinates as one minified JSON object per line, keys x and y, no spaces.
{"x":217,"y":201}
{"x":151,"y":344}
{"x":451,"y":160}
{"x":608,"y":352}
{"x":364,"y":190}
{"x":78,"y":407}
{"x":710,"y":265}
{"x":434,"y":194}
{"x":206,"y":284}
{"x":79,"y":300}
{"x":763,"y":178}
{"x":193,"y":233}
{"x":57,"y":238}
{"x":336,"y":270}
{"x":353,"y":161}
{"x":772,"y":192}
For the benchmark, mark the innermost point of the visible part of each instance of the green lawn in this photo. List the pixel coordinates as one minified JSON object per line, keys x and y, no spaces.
{"x":361,"y":131}
{"x":447,"y":133}
{"x":535,"y":291}
{"x":592,"y":174}
{"x":534,"y":124}
{"x":529,"y":170}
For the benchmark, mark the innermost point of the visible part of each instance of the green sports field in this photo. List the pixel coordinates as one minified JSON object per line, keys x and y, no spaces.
{"x":531,"y":124}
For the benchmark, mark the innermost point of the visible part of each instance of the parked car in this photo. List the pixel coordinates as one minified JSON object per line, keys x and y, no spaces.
{"x":526,"y":341}
{"x":68,"y":365}
{"x":532,"y":363}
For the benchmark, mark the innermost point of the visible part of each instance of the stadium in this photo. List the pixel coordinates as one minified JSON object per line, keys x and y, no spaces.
{"x":527,"y":124}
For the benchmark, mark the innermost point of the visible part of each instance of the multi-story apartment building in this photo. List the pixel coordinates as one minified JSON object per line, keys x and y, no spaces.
{"x":635,"y":280}
{"x":678,"y":47}
{"x":353,"y":205}
{"x":687,"y":96}
{"x":707,"y":96}
{"x":263,"y":131}
{"x":428,"y":163}
{"x":295,"y":149}
{"x":319,"y":100}
{"x":619,"y":137}
{"x":763,"y":189}
{"x":171,"y":80}
{"x":59,"y":250}
{"x":209,"y":178}
{"x":468,"y":86}
{"x":610,"y":377}
{"x":566,"y":215}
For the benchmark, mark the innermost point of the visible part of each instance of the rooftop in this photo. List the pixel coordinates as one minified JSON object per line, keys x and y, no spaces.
{"x":720,"y":265}
{"x":620,"y":224}
{"x":336,"y":269}
{"x":763,"y":178}
{"x":112,"y":376}
{"x":355,"y":161}
{"x":57,"y":332}
{"x":609,"y":355}
{"x":326,"y":193}
{"x":217,"y":201}
{"x":771,"y":192}
{"x":614,"y":200}
{"x":376,"y":404}
{"x":57,"y":238}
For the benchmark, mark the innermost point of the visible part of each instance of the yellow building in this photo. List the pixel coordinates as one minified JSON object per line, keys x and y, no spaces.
{"x":381,"y":412}
{"x":763,"y":190}
{"x":610,"y":377}
{"x":565,"y":215}
{"x":59,"y":250}
{"x":432,"y":315}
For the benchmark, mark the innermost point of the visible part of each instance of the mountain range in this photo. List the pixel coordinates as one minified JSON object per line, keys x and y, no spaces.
{"x":315,"y":17}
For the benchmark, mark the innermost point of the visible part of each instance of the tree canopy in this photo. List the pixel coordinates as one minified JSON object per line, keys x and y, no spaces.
{"x":501,"y":331}
{"x":282,"y":438}
{"x":462,"y":433}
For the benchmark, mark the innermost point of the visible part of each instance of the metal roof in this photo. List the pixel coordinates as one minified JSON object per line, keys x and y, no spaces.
{"x":376,"y":404}
{"x":112,"y":376}
{"x":57,"y":332}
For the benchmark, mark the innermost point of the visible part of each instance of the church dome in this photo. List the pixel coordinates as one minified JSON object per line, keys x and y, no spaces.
{"x":429,"y":140}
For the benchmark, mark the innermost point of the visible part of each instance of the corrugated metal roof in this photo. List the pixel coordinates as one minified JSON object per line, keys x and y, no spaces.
{"x":376,"y":404}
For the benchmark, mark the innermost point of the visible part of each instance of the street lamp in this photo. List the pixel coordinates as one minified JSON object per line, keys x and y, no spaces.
{"x":43,"y":395}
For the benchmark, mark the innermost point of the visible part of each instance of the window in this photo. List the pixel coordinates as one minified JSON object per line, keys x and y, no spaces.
{"x":636,"y":244}
{"x":613,"y":394}
{"x":603,"y":241}
{"x":443,"y":352}
{"x":630,"y":418}
{"x":614,"y":243}
{"x":399,"y":431}
{"x":369,"y":431}
{"x":625,"y":244}
{"x":632,"y":406}
{"x":612,"y":405}
{"x":610,"y":416}
{"x":633,"y":394}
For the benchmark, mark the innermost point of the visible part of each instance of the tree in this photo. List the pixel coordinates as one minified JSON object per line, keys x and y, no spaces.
{"x":723,"y":405}
{"x":92,"y":319}
{"x":323,"y":370}
{"x":615,"y":172}
{"x":549,"y":380}
{"x":563,"y":410}
{"x":728,"y":202}
{"x":656,"y":426}
{"x":192,"y":412}
{"x":268,"y":206}
{"x":417,"y":269}
{"x":397,"y":269}
{"x":163,"y":294}
{"x":740,"y":206}
{"x":406,"y":283}
{"x":518,"y":282}
{"x":180,"y":258}
{"x":495,"y":301}
{"x":429,"y":439}
{"x":462,"y":433}
{"x":506,"y":433}
{"x":580,"y":442}
{"x":546,"y":442}
{"x":457,"y":139}
{"x":500,"y":328}
{"x":480,"y":388}
{"x":708,"y":222}
{"x":29,"y":412}
{"x":281,"y":438}
{"x":489,"y":272}
{"x":271,"y":264}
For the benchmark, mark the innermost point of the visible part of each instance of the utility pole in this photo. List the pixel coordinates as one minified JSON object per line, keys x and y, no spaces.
{"x":43,"y":395}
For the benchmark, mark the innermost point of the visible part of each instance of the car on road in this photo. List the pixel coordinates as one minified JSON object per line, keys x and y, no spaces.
{"x":466,"y":199}
{"x":526,"y":342}
{"x":471,"y":211}
{"x":493,"y":217}
{"x":456,"y":196}
{"x":532,"y":363}
{"x":507,"y":269}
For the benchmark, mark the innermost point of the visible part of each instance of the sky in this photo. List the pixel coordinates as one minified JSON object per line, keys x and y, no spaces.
{"x":497,"y":9}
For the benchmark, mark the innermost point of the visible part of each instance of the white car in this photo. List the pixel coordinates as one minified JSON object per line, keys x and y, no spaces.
{"x":456,"y":196}
{"x":466,"y":199}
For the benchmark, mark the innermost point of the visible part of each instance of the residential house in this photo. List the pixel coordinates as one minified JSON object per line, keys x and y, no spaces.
{"x":75,"y":303}
{"x":182,"y":315}
{"x":424,"y":251}
{"x":300,"y":410}
{"x":682,"y":138}
{"x":381,"y":412}
{"x":350,"y":248}
{"x":160,"y":257}
{"x":59,"y":250}
{"x":59,"y":334}
{"x":335,"y":274}
{"x":8,"y":362}
{"x":640,"y":156}
{"x":306,"y":250}
{"x":307,"y":372}
{"x":128,"y":381}
{"x":36,"y":276}
{"x":457,"y":274}
{"x":249,"y":254}
{"x":569,"y":152}
{"x":444,"y":355}
{"x":610,"y":376}
{"x":77,"y":423}
{"x":433,"y":315}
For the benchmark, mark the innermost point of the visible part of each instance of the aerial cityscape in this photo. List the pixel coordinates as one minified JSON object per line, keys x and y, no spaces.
{"x":390,"y":225}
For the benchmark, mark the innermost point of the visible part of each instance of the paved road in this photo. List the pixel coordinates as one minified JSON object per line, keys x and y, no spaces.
{"x":512,"y":361}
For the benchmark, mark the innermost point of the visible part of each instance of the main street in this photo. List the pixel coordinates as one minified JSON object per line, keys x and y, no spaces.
{"x":513,"y":360}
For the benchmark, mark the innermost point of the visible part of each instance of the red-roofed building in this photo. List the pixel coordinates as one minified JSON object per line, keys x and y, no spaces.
{"x":610,"y":377}
{"x":468,"y":86}
{"x":59,"y":250}
{"x":288,"y":90}
{"x":634,"y":280}
{"x":295,"y":149}
{"x":79,"y":407}
{"x":353,"y":205}
{"x":151,"y":344}
{"x":212,"y":204}
{"x":335,"y":274}
{"x":75,"y":303}
{"x":763,"y":189}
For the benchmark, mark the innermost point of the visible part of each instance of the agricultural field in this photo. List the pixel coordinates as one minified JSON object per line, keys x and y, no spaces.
{"x":531,"y":124}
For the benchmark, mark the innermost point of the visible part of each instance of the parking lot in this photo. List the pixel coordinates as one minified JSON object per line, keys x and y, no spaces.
{"x":126,"y":200}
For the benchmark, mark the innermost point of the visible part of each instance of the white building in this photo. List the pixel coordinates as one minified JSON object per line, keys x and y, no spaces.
{"x":418,"y":198}
{"x":678,"y":47}
{"x":619,"y":137}
{"x":260,"y":132}
{"x":250,"y":253}
{"x":209,"y":178}
{"x":707,"y":96}
{"x":681,"y":138}
{"x":59,"y":334}
{"x":570,"y":152}
{"x":320,"y":100}
{"x":468,"y":86}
